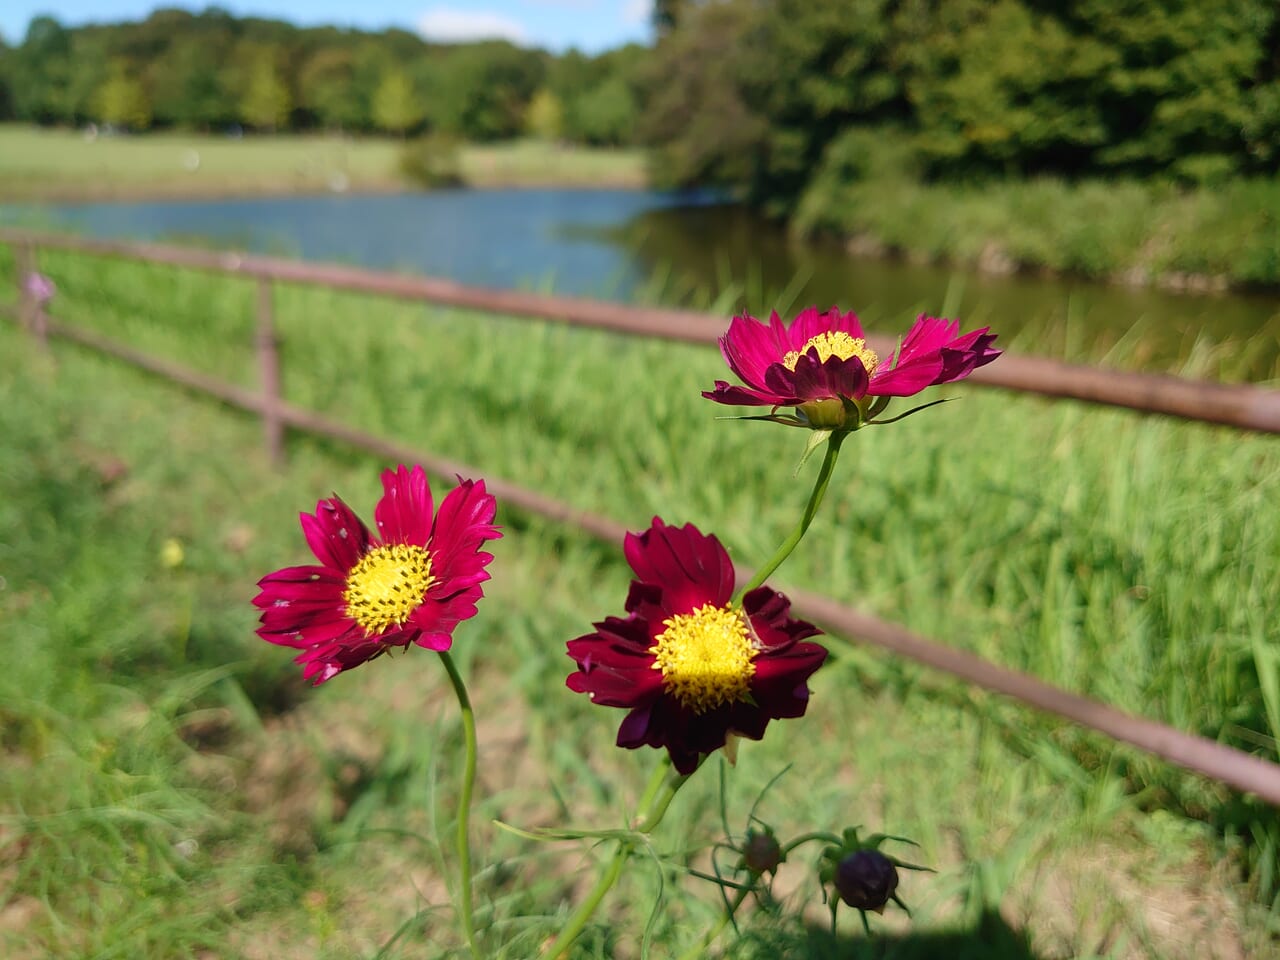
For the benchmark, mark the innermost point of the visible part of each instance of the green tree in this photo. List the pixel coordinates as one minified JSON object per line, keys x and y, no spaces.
{"x":266,"y":103}
{"x":1178,"y":97}
{"x":481,"y":91}
{"x":368,"y":62}
{"x":607,"y":115}
{"x":42,"y":68}
{"x":568,"y":78}
{"x":699,"y":121}
{"x":1262,"y":128}
{"x":817,"y":67}
{"x":91,"y":52}
{"x":1019,"y":86}
{"x":188,"y":83}
{"x":123,"y":100}
{"x":751,"y":95}
{"x":395,"y":105}
{"x":326,"y":91}
{"x":6,"y":97}
{"x":1001,"y":87}
{"x":544,"y":120}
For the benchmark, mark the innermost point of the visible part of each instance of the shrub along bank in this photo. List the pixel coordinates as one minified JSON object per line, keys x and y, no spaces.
{"x":1136,"y":232}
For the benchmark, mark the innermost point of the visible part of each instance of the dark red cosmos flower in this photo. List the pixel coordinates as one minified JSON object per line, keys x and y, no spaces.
{"x":691,"y":668}
{"x":823,"y":356}
{"x":413,"y":585}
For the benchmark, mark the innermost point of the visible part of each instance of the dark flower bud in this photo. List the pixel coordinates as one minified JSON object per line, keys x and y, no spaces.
{"x":761,"y":853}
{"x":866,"y":880}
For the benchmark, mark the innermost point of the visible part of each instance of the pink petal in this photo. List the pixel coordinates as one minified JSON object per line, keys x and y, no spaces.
{"x":404,"y":513}
{"x":465,"y":521}
{"x":744,"y":396}
{"x":336,"y":536}
{"x":692,"y":568}
{"x":748,"y":348}
{"x":299,"y":583}
{"x":809,"y":323}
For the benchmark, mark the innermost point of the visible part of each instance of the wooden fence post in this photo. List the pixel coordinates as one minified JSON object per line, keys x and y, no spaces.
{"x":269,"y":372}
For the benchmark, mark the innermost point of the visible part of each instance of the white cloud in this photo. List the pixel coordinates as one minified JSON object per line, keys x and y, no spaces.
{"x":448,"y":25}
{"x":635,"y":12}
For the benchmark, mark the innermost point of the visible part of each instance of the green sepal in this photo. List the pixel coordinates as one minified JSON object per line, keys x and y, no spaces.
{"x":782,"y":418}
{"x":816,"y":439}
{"x":903,"y":416}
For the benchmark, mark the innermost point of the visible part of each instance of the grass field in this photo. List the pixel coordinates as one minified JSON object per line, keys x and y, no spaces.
{"x":170,"y":789}
{"x":40,"y":164}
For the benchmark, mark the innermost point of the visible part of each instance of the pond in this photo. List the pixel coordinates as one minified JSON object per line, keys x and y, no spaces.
{"x":691,"y":249}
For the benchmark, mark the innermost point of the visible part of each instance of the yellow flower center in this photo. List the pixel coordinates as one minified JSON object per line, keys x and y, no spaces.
{"x":705,"y":657}
{"x":387,"y":585}
{"x":835,"y":343}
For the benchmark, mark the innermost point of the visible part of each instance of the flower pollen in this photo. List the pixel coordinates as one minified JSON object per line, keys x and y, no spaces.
{"x":835,"y":343}
{"x":387,"y":585}
{"x":705,"y":657}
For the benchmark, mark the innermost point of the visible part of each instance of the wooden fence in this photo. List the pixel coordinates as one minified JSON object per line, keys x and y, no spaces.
{"x":1243,"y":407}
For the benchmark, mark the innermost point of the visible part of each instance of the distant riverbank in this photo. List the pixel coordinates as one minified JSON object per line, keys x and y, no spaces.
{"x":691,"y":250}
{"x":69,"y":165}
{"x":1207,"y":239}
{"x":1204,"y":239}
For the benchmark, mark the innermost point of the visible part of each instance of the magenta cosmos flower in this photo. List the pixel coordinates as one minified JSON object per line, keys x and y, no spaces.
{"x":413,"y":583}
{"x":691,"y":668}
{"x":824,"y":357}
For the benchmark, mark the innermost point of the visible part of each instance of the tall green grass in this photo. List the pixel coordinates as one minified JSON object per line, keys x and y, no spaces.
{"x":1127,"y":558}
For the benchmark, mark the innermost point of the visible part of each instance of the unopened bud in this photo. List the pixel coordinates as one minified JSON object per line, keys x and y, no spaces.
{"x":866,"y":880}
{"x":761,"y":853}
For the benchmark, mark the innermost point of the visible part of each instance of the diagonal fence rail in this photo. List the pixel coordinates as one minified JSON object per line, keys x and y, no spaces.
{"x":1236,"y":405}
{"x":1233,"y":767}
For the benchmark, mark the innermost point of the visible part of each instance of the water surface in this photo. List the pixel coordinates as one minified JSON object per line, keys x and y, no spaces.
{"x":689,"y":249}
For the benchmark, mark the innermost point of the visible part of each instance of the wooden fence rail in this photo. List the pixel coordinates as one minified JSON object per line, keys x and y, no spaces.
{"x":1236,"y":768}
{"x":1242,"y":406}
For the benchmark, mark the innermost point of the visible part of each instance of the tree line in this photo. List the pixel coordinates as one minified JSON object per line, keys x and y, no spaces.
{"x":769,"y":96}
{"x":211,"y":71}
{"x":763,"y":96}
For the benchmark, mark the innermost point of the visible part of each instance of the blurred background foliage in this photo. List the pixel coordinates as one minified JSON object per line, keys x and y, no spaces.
{"x":212,"y":71}
{"x":976,"y":89}
{"x":848,"y":117}
{"x":747,"y":94}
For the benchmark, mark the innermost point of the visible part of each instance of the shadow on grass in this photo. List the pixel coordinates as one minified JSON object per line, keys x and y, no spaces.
{"x":990,"y":939}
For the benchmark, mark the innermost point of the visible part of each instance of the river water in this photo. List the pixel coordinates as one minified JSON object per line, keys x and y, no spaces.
{"x":689,"y":249}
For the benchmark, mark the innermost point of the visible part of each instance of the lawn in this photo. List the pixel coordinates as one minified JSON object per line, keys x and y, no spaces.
{"x":171,"y":789}
{"x":38,"y":163}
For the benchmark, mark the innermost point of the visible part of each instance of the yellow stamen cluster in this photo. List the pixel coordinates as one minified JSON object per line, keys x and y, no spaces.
{"x":387,"y":585}
{"x":705,"y":657}
{"x":835,"y":343}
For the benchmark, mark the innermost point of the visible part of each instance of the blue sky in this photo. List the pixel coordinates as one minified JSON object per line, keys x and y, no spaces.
{"x":590,"y":25}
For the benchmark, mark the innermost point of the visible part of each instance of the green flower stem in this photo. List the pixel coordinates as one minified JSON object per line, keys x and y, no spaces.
{"x":658,"y":808}
{"x":809,"y":838}
{"x":464,"y":801}
{"x":810,"y":511}
{"x":650,"y":811}
{"x":656,"y":780}
{"x":699,"y":949}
